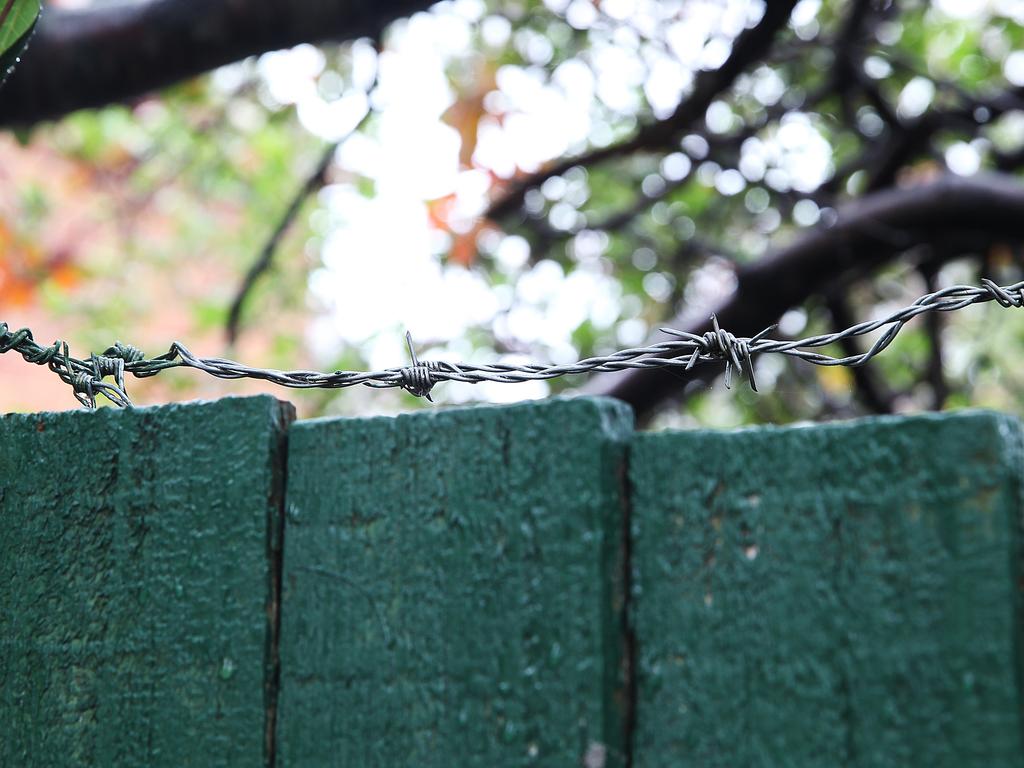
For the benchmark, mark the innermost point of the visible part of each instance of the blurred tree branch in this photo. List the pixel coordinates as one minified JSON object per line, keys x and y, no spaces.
{"x":750,"y":47}
{"x":312,"y":184}
{"x":314,"y":181}
{"x":969,"y":213}
{"x":725,"y":148}
{"x":935,"y":370}
{"x":88,"y":58}
{"x":871,"y":389}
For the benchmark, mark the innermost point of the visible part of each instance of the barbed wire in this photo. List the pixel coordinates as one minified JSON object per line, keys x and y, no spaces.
{"x":88,"y":377}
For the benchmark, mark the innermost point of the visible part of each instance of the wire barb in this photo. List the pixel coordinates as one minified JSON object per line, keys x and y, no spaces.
{"x":683,"y":350}
{"x":125,"y":352}
{"x":717,"y":344}
{"x":419,"y":378}
{"x":1006,"y":297}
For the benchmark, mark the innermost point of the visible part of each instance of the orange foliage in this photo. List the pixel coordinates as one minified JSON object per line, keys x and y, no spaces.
{"x":439,"y":212}
{"x":440,"y":215}
{"x":467,"y":111}
{"x":463,"y":250}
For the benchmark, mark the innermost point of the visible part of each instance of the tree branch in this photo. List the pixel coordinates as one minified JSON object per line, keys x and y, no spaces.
{"x":313,"y":182}
{"x":867,"y":233}
{"x":82,"y":59}
{"x":263,"y":261}
{"x":936,"y":372}
{"x":751,"y":46}
{"x":871,"y":390}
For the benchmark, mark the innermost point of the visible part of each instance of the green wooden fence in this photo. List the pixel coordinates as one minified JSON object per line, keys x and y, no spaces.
{"x":537,"y":585}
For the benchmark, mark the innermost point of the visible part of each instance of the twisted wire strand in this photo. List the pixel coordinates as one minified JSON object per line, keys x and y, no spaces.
{"x":683,"y":350}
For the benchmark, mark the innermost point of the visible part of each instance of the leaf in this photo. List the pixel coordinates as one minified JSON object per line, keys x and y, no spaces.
{"x":464,"y":249}
{"x":17,"y":23}
{"x":17,"y":17}
{"x":465,"y":114}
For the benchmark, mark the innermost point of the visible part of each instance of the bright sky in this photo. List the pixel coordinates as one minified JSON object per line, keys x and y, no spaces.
{"x":382,"y":268}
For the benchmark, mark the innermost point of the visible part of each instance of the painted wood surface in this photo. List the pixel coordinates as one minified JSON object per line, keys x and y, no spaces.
{"x":453,"y":589}
{"x":838,"y":595}
{"x":135,"y":584}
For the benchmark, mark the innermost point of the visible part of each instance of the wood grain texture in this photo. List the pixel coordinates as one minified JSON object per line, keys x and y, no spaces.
{"x":135,"y":584}
{"x":453,"y":589}
{"x":838,"y":595}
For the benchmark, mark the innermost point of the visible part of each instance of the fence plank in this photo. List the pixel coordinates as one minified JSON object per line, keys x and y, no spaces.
{"x":841,"y":595}
{"x":135,"y":584}
{"x":452,"y":588}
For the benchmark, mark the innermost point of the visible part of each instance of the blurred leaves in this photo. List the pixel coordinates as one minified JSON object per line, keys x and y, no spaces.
{"x":116,"y":219}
